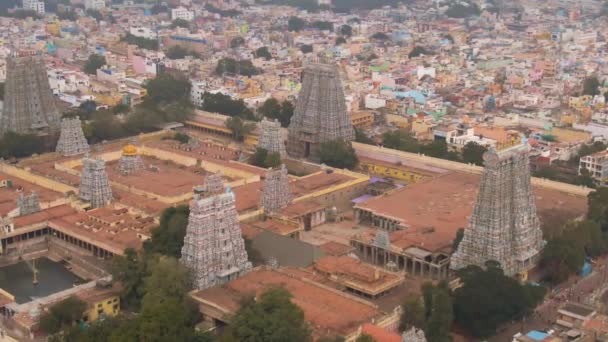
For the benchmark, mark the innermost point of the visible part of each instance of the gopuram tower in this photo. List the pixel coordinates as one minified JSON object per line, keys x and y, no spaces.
{"x":320,"y":113}
{"x":71,"y":139}
{"x":276,"y":193}
{"x":270,"y":137}
{"x":504,"y":226}
{"x":214,"y":249}
{"x":29,"y":106}
{"x":94,"y":184}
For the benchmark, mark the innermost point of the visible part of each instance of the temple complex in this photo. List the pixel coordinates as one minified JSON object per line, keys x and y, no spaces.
{"x":214,"y":249}
{"x":276,"y":193}
{"x":504,"y":226}
{"x":130,"y":161}
{"x":29,"y":106}
{"x":71,"y":139}
{"x":270,"y":137}
{"x":320,"y":112}
{"x":94,"y":184}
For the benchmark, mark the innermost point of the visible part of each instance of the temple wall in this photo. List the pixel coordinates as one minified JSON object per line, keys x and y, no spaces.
{"x":35,"y":179}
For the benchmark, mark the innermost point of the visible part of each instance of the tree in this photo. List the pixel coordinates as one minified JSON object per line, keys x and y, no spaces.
{"x":94,"y":62}
{"x":323,"y":25}
{"x":224,"y":104}
{"x":365,"y":338}
{"x":69,"y":15}
{"x":16,"y":145}
{"x":440,"y":321}
{"x":62,"y":314}
{"x":472,"y":153}
{"x":361,"y":137}
{"x":597,"y":202}
{"x":457,"y":239}
{"x":166,"y":88}
{"x":488,"y":298}
{"x":141,"y":42}
{"x":239,"y":127}
{"x":94,"y":14}
{"x":339,"y":154}
{"x":591,"y":86}
{"x":273,"y":317}
{"x":340,"y":41}
{"x":418,"y":51}
{"x":460,"y":10}
{"x":129,"y":269}
{"x":272,"y":109}
{"x":263,"y":52}
{"x":346,"y":30}
{"x":379,"y":36}
{"x":168,"y":237}
{"x":180,"y":23}
{"x":178,"y":52}
{"x":412,"y":314}
{"x":295,"y":24}
{"x":230,"y":65}
{"x":306,"y":48}
{"x":237,"y":41}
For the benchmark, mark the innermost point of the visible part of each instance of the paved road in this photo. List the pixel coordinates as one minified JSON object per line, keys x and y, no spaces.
{"x":582,"y":290}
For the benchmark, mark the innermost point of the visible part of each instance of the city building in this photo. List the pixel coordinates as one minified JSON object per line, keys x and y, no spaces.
{"x":182,"y":13}
{"x":596,"y":165}
{"x":34,"y":5}
{"x":94,"y":4}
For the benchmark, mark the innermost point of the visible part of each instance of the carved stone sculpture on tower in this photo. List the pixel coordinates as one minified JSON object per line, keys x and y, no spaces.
{"x":276,"y":192}
{"x":413,"y":335}
{"x":320,"y":112}
{"x":270,"y":137}
{"x":71,"y":139}
{"x":504,"y":226}
{"x":28,"y":204}
{"x":214,"y":249}
{"x":29,"y":106}
{"x":130,"y":161}
{"x":94,"y":184}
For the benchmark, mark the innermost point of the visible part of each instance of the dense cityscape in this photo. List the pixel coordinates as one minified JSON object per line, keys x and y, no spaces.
{"x":303,"y":170}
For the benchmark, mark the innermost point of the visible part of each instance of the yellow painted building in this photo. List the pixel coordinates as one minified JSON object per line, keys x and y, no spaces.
{"x":100,"y":304}
{"x":394,"y":171}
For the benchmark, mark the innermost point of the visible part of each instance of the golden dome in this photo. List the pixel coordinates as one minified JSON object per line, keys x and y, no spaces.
{"x":129,"y":150}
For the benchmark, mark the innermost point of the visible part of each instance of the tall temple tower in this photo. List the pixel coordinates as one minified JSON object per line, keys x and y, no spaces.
{"x":71,"y":139}
{"x":130,"y":161}
{"x":320,"y":113}
{"x":28,"y":204}
{"x":270,"y":137}
{"x":504,"y":226}
{"x":214,"y":249}
{"x":29,"y":106}
{"x":94,"y":184}
{"x":276,"y":193}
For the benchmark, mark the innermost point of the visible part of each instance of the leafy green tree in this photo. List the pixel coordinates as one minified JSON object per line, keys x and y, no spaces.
{"x":597,"y":202}
{"x":346,"y":30}
{"x":16,"y":145}
{"x":295,"y":24}
{"x":472,"y":153}
{"x":181,"y":137}
{"x":365,"y":338}
{"x":457,"y":239}
{"x":180,"y":23}
{"x":141,"y":42}
{"x":340,"y":41}
{"x":104,"y":126}
{"x":339,"y":154}
{"x":488,"y":298}
{"x":591,"y":86}
{"x":237,"y":41}
{"x":401,"y":140}
{"x":263,"y":52}
{"x":323,"y":25}
{"x":167,"y":88}
{"x":381,"y":36}
{"x":306,"y":48}
{"x":94,"y":62}
{"x":273,"y":109}
{"x":130,"y":269}
{"x":69,"y":15}
{"x":273,"y":317}
{"x":239,"y":127}
{"x":361,"y":137}
{"x":168,"y":237}
{"x":412,"y":314}
{"x":418,"y":51}
{"x":460,"y":10}
{"x":440,"y":320}
{"x":230,"y":65}
{"x":94,"y":14}
{"x":62,"y":315}
{"x":224,"y":104}
{"x":178,"y":52}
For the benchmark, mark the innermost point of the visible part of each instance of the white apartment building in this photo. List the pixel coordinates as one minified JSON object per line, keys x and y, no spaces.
{"x":182,"y":13}
{"x":596,"y":164}
{"x":94,"y":4}
{"x":34,"y":5}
